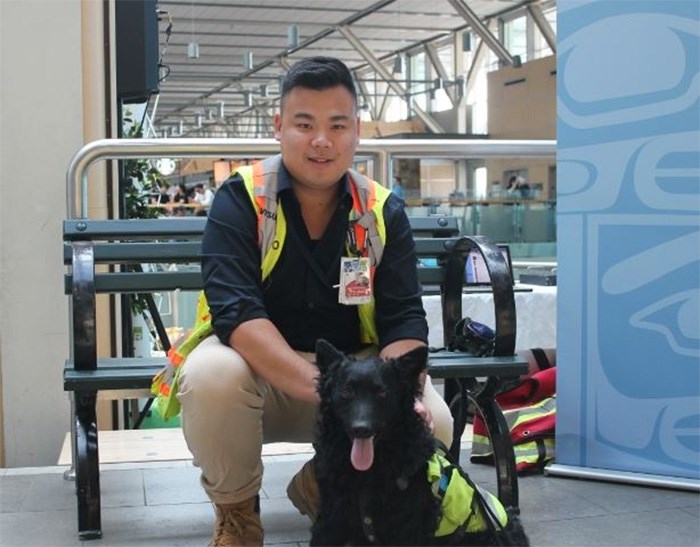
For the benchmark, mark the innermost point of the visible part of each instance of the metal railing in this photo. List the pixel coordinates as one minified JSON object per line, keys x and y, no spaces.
{"x":382,"y":151}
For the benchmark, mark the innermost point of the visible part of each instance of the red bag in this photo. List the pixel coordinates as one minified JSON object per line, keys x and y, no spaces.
{"x":530,"y":412}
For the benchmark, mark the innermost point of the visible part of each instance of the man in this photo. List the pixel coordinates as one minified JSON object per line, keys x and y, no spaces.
{"x":276,"y":239}
{"x":203,"y":197}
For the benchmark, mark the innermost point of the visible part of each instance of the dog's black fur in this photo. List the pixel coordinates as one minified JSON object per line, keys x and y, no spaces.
{"x":373,"y":399}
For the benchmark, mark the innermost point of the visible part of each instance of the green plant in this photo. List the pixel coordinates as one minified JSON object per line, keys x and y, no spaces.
{"x":142,"y":179}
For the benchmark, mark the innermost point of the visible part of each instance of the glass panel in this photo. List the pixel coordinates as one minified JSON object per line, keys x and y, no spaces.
{"x":515,"y":37}
{"x":480,"y":182}
{"x":418,"y":76}
{"x":541,"y":48}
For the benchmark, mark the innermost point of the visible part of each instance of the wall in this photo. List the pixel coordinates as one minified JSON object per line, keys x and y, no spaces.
{"x":628,"y":158}
{"x":522,"y":101}
{"x":41,"y":110}
{"x":522,"y":105}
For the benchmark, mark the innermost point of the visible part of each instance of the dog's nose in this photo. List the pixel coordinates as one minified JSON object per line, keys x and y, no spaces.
{"x":361,"y":431}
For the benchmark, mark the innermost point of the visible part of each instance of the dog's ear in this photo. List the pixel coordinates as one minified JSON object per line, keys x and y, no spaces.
{"x":415,"y":361}
{"x":326,"y":354}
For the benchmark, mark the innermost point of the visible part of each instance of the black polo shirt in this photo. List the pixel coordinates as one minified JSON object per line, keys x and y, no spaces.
{"x":300,"y":296}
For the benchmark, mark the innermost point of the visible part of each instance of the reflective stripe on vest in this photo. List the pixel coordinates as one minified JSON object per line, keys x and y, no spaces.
{"x":524,"y":422}
{"x":458,"y":510}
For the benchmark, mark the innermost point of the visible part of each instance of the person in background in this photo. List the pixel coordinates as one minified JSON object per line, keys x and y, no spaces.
{"x":253,"y":380}
{"x":180,"y":194}
{"x":179,"y":198}
{"x":397,"y":188}
{"x":161,"y":198}
{"x":518,"y":185}
{"x":203,"y":197}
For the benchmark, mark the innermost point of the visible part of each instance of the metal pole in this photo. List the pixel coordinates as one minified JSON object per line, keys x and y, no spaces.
{"x":384,"y":149}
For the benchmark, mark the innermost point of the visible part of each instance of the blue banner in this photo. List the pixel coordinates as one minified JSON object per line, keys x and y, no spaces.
{"x":628,"y":238}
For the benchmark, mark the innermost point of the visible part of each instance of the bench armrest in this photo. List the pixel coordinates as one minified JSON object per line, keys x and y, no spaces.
{"x":501,"y":285}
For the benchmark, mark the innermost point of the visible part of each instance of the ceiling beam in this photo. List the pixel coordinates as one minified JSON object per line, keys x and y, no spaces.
{"x":540,"y":20}
{"x":272,"y":61}
{"x":384,"y":73}
{"x":482,"y":30}
{"x":431,"y":53}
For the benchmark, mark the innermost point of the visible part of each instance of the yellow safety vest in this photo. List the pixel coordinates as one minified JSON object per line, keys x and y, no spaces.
{"x":261,"y":181}
{"x":466,"y":508}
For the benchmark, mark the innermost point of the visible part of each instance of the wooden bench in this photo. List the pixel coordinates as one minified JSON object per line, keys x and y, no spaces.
{"x":106,"y":257}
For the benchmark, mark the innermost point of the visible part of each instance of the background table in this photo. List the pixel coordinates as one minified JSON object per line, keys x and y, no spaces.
{"x":536,"y":316}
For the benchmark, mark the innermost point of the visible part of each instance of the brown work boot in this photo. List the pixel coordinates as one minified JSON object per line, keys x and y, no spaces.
{"x":303,"y":492}
{"x":238,"y":524}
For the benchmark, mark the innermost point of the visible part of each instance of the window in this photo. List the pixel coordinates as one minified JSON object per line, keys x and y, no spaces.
{"x":541,"y":48}
{"x":515,"y":37}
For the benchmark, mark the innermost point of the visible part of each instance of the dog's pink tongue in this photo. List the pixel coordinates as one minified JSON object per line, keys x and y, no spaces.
{"x":362,"y":454}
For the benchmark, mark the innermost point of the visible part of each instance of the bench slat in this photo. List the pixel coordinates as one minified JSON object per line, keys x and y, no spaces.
{"x":142,"y":282}
{"x":134,"y":282}
{"x":159,"y":252}
{"x":447,"y":364}
{"x":81,"y":229}
{"x":113,"y":374}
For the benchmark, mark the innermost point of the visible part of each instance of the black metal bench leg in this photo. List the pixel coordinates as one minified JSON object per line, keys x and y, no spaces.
{"x":87,"y":468}
{"x":483,"y":396}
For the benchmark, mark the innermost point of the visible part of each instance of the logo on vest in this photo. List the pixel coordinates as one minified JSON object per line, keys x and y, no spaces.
{"x":268,"y":214}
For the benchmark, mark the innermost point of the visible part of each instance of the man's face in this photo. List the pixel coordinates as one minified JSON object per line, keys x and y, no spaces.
{"x":318,"y":132}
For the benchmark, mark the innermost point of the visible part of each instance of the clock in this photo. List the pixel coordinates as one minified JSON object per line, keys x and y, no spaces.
{"x":166,"y":166}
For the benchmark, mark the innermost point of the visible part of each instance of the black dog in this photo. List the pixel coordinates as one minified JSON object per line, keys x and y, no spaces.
{"x":372,"y":453}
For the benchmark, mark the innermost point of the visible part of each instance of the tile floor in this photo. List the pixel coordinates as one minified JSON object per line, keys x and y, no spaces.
{"x":162,"y":505}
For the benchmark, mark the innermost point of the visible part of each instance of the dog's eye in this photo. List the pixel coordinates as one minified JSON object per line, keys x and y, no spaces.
{"x":382,"y":393}
{"x":346,"y":392}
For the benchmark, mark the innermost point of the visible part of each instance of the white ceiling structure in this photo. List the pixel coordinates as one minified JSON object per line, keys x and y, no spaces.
{"x":222,"y":60}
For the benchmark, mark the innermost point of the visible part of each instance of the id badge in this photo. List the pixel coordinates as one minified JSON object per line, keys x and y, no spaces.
{"x":355,"y":285}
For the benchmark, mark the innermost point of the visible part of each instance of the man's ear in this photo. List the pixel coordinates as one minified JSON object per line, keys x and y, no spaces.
{"x":277,"y":124}
{"x":326,"y":355}
{"x":414,"y":362}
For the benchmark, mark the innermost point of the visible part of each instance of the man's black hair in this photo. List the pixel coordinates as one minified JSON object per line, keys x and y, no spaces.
{"x":319,"y":73}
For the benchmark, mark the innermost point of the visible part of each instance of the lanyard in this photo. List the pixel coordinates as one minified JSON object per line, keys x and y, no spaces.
{"x":352,"y":239}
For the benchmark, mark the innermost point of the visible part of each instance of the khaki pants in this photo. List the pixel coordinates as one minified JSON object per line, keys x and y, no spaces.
{"x":228,"y":412}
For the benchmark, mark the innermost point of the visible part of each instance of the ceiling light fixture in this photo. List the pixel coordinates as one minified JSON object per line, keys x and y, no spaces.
{"x":398,"y":65}
{"x":293,"y":36}
{"x":466,"y":41}
{"x":248,"y":59}
{"x":193,"y":46}
{"x":193,"y":50}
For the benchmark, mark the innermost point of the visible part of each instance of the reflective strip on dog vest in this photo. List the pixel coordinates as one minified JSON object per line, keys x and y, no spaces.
{"x":261,"y":181}
{"x":459,"y":510}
